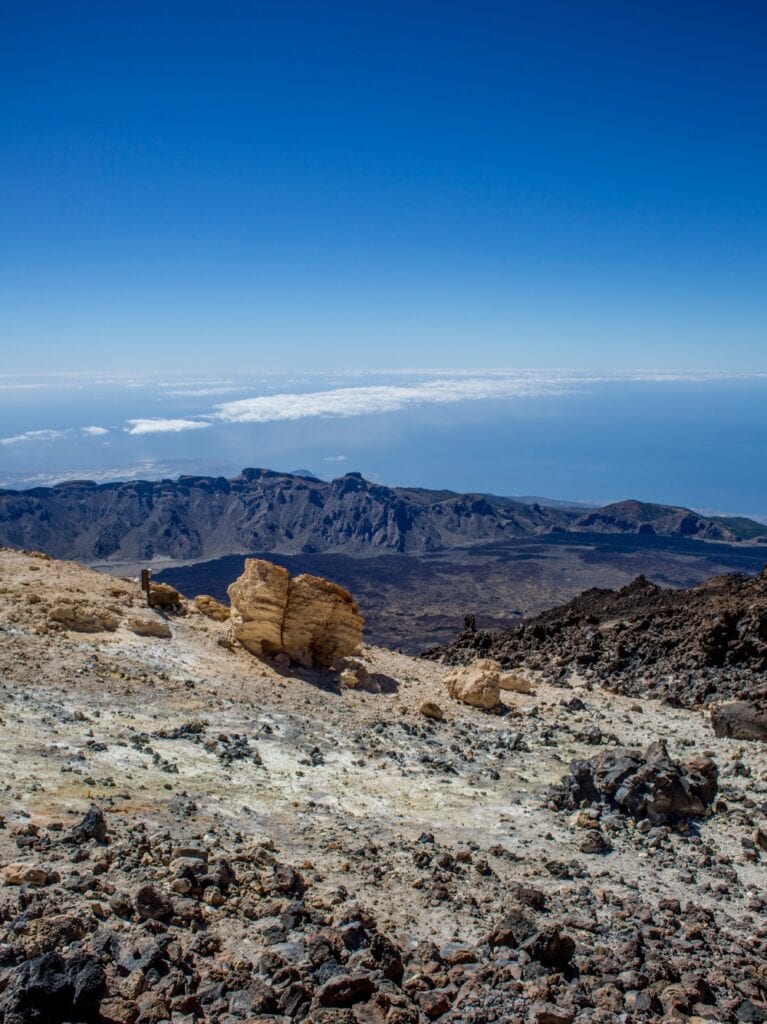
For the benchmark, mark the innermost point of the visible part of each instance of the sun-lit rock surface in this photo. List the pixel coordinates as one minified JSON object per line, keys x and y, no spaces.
{"x":478,"y":684}
{"x":210,"y":607}
{"x":311,"y":620}
{"x":258,"y":600}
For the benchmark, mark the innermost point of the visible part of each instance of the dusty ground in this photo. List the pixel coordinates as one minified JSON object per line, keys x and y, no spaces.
{"x":346,"y":783}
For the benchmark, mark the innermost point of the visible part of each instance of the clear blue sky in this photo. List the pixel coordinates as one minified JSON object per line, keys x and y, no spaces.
{"x":547,"y":183}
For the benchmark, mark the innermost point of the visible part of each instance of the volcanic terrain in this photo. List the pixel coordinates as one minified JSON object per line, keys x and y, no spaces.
{"x":197,"y":835}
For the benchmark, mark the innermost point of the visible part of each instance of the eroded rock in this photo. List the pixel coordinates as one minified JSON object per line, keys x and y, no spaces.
{"x":352,"y":673}
{"x":53,"y":988}
{"x":83,"y":616}
{"x":311,"y":620}
{"x":259,"y":599}
{"x":211,"y":608}
{"x":25,"y":874}
{"x":162,"y":595}
{"x":149,"y":625}
{"x":322,"y":622}
{"x":514,"y":682}
{"x":93,"y":826}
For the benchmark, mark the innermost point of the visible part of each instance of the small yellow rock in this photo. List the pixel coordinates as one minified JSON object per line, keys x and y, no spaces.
{"x":582,"y":819}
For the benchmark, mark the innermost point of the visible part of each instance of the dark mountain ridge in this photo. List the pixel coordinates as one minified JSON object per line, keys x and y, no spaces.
{"x":197,"y":517}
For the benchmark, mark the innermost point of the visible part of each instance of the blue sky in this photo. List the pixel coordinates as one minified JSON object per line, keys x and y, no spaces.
{"x":364,"y":185}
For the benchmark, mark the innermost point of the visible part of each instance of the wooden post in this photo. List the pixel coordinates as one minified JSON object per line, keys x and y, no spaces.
{"x":145,"y":586}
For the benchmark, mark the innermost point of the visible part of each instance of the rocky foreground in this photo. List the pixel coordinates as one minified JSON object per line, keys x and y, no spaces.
{"x":195,"y":834}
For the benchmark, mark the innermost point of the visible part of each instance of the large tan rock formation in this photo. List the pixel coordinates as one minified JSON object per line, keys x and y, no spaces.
{"x":308,"y":618}
{"x":258,"y":600}
{"x":516,"y":683}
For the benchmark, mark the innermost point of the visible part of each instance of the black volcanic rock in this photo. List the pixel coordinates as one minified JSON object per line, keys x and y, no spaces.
{"x":198,"y":517}
{"x":741,"y":720}
{"x":685,"y":646}
{"x":53,"y":988}
{"x":93,"y":826}
{"x":644,"y":785}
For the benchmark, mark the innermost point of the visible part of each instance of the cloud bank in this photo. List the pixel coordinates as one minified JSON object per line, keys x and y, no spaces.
{"x":438,"y":388}
{"x":160,"y":426}
{"x":364,"y":400}
{"x":52,"y":435}
{"x":378,"y":395}
{"x":33,"y":435}
{"x":359,"y":401}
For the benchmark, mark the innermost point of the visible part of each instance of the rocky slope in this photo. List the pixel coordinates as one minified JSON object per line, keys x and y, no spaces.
{"x":686,"y":646}
{"x":196,"y":835}
{"x":260,"y":510}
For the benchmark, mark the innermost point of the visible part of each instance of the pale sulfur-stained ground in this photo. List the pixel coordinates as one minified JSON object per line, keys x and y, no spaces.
{"x":345,"y":781}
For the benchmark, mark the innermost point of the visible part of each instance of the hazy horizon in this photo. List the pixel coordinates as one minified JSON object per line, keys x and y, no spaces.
{"x":682,"y":439}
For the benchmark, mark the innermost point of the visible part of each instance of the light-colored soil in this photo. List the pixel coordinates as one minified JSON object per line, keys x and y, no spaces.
{"x":345,"y":780}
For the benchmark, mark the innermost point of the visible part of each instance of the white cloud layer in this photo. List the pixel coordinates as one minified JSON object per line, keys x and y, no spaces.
{"x":377,"y":395}
{"x":364,"y":400}
{"x":52,"y":435}
{"x":431,"y":388}
{"x":160,"y":426}
{"x":344,"y":402}
{"x":205,"y":392}
{"x":33,"y":435}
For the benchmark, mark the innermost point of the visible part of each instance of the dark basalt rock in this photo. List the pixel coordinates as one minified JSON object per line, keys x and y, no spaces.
{"x":93,"y":826}
{"x":740,"y":720}
{"x":53,"y":988}
{"x":387,"y":957}
{"x":286,"y":881}
{"x":551,"y":947}
{"x":515,"y":926}
{"x":648,"y":785}
{"x":345,"y":990}
{"x":152,"y":905}
{"x":594,"y":842}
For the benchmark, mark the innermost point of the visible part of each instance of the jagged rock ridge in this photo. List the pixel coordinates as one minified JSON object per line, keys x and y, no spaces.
{"x":261,"y":510}
{"x":685,"y":646}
